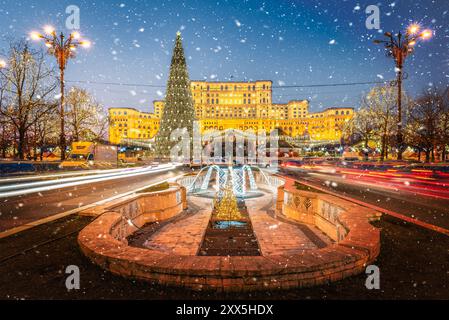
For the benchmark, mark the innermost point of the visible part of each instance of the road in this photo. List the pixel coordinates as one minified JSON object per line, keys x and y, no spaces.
{"x":428,"y":209}
{"x":26,"y":202}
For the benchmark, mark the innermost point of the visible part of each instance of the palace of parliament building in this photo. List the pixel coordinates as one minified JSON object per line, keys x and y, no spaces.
{"x":235,"y":105}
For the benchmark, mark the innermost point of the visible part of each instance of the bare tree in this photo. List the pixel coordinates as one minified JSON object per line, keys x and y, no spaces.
{"x":5,"y":134}
{"x":46,"y":132}
{"x":86,"y":119}
{"x":380,"y":104}
{"x":362,"y":125}
{"x":428,"y":123}
{"x":27,"y":86}
{"x":444,"y":124}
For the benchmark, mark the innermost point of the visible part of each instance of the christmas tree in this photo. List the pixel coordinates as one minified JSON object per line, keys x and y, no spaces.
{"x":179,"y":111}
{"x":226,"y":206}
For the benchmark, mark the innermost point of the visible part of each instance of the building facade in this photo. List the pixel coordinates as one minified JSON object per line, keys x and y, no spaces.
{"x":235,"y":105}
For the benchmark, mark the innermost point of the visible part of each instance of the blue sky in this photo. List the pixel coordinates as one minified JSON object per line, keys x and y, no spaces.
{"x":288,"y":42}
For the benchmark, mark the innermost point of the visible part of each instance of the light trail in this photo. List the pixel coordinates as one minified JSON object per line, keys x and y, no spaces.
{"x":423,"y":182}
{"x":59,"y":181}
{"x":70,"y":182}
{"x":57,"y":216}
{"x":377,"y":208}
{"x":65,"y":174}
{"x":367,"y":181}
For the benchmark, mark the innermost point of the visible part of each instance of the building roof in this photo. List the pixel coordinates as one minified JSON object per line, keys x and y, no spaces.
{"x":127,"y":108}
{"x":338,"y":108}
{"x":231,"y":81}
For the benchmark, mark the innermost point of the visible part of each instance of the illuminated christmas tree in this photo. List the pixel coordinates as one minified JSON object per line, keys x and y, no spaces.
{"x":226,"y":206}
{"x":179,"y":111}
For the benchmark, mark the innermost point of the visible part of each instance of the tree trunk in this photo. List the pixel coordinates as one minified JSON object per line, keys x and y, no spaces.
{"x":365,"y":152}
{"x":21,"y":145}
{"x":4,"y":144}
{"x":419,"y":155}
{"x":35,"y":143}
{"x":427,"y":155}
{"x":14,"y":150}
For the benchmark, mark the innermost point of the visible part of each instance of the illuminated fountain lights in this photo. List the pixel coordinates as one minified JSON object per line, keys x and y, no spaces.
{"x":241,"y":178}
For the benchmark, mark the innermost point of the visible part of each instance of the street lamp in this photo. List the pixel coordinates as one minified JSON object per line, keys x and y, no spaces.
{"x":2,"y":64}
{"x":399,"y":47}
{"x":62,"y":49}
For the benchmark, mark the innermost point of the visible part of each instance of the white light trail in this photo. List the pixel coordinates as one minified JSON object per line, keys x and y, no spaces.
{"x":70,"y":182}
{"x":60,"y":181}
{"x":65,"y":174}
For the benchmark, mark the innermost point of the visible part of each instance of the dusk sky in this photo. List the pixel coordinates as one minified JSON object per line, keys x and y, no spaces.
{"x":289,"y":42}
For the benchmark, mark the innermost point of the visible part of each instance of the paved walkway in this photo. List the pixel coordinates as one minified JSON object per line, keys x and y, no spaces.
{"x":276,"y":237}
{"x":183,"y":237}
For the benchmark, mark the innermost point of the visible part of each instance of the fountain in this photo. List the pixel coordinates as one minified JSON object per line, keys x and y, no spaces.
{"x":300,"y":239}
{"x":240,"y":177}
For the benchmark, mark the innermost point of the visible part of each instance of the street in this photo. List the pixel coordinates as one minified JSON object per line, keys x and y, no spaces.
{"x":428,"y":209}
{"x":60,"y":196}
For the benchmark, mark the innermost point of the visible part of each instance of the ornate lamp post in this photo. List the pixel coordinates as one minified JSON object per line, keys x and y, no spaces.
{"x":399,"y":47}
{"x":62,"y":48}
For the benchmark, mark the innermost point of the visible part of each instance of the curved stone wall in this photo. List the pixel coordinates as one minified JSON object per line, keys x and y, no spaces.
{"x":357,"y":244}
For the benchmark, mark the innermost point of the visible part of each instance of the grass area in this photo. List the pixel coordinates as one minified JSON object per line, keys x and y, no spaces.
{"x":159,"y":187}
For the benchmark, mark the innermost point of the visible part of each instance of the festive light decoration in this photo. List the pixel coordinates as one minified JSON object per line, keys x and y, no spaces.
{"x":238,"y":176}
{"x":179,"y":112}
{"x":226,"y":205}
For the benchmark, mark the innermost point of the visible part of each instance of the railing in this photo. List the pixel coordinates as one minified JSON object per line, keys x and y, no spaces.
{"x":147,"y":207}
{"x":312,"y":208}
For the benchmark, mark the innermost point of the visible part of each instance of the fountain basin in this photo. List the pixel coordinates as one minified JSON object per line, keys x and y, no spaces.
{"x":356,"y":244}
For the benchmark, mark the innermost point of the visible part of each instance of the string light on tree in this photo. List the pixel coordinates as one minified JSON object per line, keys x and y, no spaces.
{"x":226,"y":205}
{"x":179,"y":111}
